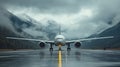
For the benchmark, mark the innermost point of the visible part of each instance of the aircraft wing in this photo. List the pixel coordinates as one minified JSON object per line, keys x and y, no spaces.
{"x":87,"y":39}
{"x":46,"y":41}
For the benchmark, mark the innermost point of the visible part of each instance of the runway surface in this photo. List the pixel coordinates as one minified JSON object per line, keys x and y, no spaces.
{"x":74,"y":58}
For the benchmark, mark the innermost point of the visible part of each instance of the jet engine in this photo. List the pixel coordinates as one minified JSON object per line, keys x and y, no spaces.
{"x":42,"y":44}
{"x":77,"y":44}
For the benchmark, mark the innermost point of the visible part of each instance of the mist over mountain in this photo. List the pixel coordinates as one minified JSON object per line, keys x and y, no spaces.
{"x":106,"y":43}
{"x":14,"y":26}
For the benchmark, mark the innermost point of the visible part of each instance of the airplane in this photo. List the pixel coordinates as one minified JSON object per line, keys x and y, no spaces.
{"x":60,"y":41}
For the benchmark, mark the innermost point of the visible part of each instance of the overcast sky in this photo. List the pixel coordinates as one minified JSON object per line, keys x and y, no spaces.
{"x":80,"y":18}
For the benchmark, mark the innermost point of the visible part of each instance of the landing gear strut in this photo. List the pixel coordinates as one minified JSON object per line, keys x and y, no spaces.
{"x":59,"y":47}
{"x":68,"y":49}
{"x":51,"y":48}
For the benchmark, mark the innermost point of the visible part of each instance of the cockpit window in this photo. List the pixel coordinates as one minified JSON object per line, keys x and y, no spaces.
{"x":59,"y":38}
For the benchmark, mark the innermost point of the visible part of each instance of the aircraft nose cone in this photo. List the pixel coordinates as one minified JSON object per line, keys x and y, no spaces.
{"x":60,"y":40}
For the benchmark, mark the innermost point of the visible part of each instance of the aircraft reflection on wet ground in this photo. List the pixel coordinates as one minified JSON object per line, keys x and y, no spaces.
{"x":73,"y":58}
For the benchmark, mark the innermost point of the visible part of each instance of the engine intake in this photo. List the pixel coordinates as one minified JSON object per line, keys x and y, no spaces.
{"x":42,"y":45}
{"x":77,"y":44}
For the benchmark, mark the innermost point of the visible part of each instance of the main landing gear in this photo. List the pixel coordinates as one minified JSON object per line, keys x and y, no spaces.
{"x":51,"y":48}
{"x":68,"y":48}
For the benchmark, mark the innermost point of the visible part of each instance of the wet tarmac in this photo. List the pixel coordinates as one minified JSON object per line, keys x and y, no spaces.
{"x":73,"y":58}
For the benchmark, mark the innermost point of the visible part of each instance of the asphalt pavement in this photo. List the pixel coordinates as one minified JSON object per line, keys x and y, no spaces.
{"x":73,"y":58}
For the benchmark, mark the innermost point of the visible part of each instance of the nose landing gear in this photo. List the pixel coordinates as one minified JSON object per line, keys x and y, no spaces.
{"x":59,"y":47}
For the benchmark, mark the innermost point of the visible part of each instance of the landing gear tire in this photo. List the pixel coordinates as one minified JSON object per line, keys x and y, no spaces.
{"x":51,"y":49}
{"x":60,"y":49}
{"x":68,"y":49}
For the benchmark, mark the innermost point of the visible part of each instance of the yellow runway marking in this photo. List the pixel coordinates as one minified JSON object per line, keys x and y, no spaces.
{"x":59,"y":59}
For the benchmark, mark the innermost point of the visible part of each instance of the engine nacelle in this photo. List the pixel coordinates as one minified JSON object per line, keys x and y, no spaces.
{"x":42,"y":45}
{"x":77,"y":44}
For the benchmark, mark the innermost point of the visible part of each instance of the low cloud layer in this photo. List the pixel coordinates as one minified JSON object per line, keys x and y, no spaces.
{"x":80,"y":18}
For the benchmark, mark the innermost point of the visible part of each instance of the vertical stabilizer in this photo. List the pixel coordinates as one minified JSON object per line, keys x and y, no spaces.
{"x":59,"y":29}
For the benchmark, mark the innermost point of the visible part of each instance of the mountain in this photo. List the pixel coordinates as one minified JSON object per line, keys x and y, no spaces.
{"x":106,"y":43}
{"x":15,"y":26}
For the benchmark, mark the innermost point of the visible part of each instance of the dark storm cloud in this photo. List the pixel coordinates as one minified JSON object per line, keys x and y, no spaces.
{"x":108,"y":9}
{"x":49,"y":5}
{"x":105,"y":7}
{"x":105,"y":14}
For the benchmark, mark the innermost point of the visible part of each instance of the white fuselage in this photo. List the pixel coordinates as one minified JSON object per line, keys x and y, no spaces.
{"x":59,"y":40}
